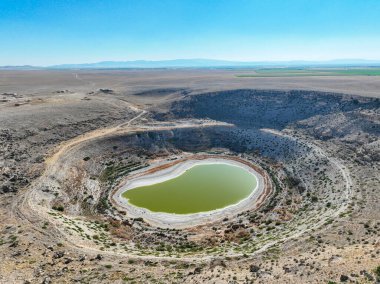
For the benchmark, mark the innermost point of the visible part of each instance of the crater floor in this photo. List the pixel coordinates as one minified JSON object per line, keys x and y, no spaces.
{"x":253,"y":193}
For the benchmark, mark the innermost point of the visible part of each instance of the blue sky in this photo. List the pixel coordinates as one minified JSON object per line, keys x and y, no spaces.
{"x":49,"y":32}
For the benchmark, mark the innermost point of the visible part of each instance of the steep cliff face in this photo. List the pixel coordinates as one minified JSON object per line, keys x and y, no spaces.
{"x":268,"y":109}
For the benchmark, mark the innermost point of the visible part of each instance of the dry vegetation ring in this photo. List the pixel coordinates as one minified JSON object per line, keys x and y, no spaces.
{"x":163,"y":171}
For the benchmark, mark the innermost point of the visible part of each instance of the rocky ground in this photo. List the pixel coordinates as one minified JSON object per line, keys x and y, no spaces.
{"x":68,"y":139}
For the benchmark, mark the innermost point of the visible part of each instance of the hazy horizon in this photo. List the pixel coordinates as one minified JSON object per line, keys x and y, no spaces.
{"x":44,"y":33}
{"x":218,"y":60}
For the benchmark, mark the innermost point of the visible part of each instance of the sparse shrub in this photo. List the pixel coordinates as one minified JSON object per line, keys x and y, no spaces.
{"x":45,"y":225}
{"x":58,"y":208}
{"x":103,"y":205}
{"x":377,"y":272}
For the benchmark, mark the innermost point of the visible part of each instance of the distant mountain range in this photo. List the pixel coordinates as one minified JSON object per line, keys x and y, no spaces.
{"x":201,"y":63}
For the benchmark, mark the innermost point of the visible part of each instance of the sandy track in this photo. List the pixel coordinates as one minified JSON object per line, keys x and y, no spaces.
{"x":29,"y":211}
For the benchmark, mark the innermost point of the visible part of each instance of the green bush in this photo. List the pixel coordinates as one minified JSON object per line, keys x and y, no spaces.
{"x":377,"y":272}
{"x":58,"y":208}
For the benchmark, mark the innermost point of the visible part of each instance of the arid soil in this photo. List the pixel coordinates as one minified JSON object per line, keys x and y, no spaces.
{"x":69,"y":139}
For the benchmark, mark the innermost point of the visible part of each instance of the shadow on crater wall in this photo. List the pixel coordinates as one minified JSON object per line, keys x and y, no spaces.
{"x":267,"y":109}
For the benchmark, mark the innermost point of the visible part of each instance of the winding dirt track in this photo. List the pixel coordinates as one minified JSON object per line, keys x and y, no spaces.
{"x":25,"y":207}
{"x":29,"y":213}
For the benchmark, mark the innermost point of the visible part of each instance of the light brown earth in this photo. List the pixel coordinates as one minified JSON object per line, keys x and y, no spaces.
{"x":69,"y":138}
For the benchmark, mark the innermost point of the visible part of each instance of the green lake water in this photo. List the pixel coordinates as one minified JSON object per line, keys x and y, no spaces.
{"x":199,"y":189}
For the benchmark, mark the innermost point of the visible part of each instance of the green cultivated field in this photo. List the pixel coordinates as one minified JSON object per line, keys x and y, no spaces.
{"x":199,"y":189}
{"x":297,"y":72}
